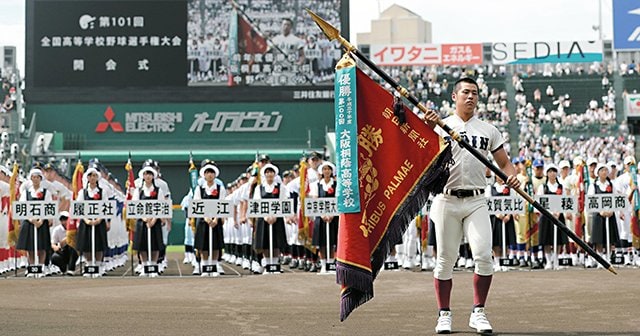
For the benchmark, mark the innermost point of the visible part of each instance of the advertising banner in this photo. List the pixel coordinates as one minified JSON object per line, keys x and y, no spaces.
{"x":426,"y":54}
{"x":546,"y":52}
{"x":626,"y":25}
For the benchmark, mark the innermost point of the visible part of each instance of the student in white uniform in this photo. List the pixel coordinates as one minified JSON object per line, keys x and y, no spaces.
{"x":5,"y":175}
{"x":270,"y":189}
{"x":325,"y":187}
{"x":603,"y":185}
{"x":64,"y":256}
{"x":210,"y":190}
{"x":461,"y":210}
{"x":148,"y":190}
{"x":92,"y":192}
{"x":546,"y":229}
{"x":36,"y":192}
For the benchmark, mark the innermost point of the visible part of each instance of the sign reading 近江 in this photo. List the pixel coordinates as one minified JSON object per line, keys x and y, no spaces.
{"x":210,"y":208}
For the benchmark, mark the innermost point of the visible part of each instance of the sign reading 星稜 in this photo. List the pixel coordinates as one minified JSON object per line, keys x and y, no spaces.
{"x":558,"y":203}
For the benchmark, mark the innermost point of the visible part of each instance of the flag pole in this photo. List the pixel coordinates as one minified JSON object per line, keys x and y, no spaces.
{"x":333,"y":33}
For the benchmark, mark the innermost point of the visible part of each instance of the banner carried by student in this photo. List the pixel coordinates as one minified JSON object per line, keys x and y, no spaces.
{"x":388,"y":168}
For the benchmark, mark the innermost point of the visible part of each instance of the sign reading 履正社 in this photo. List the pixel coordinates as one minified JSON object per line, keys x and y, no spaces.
{"x":626,"y":24}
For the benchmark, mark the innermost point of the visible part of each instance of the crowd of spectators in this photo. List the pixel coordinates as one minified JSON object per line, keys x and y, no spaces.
{"x":9,"y":94}
{"x":303,"y":57}
{"x":10,"y":81}
{"x":539,"y":110}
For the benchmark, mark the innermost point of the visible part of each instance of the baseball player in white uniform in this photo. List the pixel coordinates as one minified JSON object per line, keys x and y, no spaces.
{"x":461,"y":208}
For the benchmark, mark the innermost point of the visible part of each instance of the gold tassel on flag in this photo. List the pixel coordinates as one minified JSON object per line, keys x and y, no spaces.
{"x":303,"y":226}
{"x":130,"y":224}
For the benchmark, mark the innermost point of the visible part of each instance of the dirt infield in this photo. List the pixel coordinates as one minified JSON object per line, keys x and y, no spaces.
{"x":568,"y":302}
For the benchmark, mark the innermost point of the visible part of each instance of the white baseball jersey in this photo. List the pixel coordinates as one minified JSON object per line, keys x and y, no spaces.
{"x":209,"y":189}
{"x":160,"y":183}
{"x":106,"y":193}
{"x":467,"y":172}
{"x":288,"y":44}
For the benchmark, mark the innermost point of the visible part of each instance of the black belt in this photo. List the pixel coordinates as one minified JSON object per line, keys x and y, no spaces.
{"x":462,"y":193}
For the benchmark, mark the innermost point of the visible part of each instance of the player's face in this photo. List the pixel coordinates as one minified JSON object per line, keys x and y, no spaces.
{"x":466,"y":98}
{"x":286,"y":27}
{"x":552,"y":174}
{"x":327,"y":171}
{"x":92,"y":178}
{"x":269,"y":175}
{"x":602,"y":174}
{"x":48,"y":174}
{"x":147,"y":177}
{"x":538,"y":171}
{"x":209,"y":175}
{"x":36,"y":179}
{"x":314,"y":162}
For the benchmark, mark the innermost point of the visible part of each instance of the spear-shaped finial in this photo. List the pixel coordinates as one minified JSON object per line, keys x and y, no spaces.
{"x":330,"y":31}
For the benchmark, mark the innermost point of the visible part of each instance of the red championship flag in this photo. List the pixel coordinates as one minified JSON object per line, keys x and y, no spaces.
{"x":398,"y":166}
{"x":579,"y":218}
{"x":250,"y":41}
{"x":635,"y":201}
{"x":244,"y":39}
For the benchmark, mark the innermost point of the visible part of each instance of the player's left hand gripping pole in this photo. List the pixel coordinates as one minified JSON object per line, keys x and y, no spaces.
{"x":334,"y":34}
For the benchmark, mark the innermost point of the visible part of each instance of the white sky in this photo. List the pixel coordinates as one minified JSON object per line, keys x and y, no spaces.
{"x":452,"y":20}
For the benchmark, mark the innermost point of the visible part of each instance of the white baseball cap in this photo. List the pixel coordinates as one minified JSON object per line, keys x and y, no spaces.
{"x":550,"y":166}
{"x":269,"y":166}
{"x":591,"y":161}
{"x":147,"y":169}
{"x":601,"y":166}
{"x":211,"y":167}
{"x":564,"y":164}
{"x":325,"y":164}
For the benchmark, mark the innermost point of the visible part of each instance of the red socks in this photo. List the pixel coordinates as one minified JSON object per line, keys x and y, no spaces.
{"x":481,"y":285}
{"x":443,"y":292}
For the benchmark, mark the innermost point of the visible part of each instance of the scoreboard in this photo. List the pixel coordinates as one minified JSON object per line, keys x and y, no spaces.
{"x":108,"y":43}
